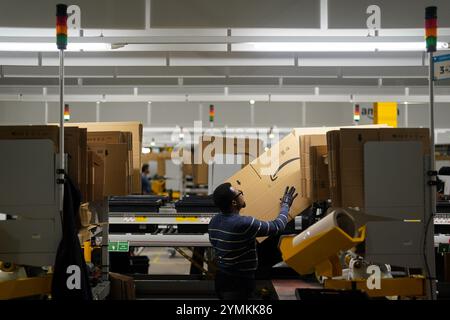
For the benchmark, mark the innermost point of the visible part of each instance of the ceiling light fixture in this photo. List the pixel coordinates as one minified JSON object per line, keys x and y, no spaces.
{"x":50,"y":47}
{"x":336,"y":46}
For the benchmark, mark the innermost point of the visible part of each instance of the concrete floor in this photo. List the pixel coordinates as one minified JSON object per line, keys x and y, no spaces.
{"x":161,"y":261}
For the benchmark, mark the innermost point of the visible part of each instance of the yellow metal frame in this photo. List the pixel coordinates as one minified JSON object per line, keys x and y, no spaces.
{"x":405,"y":287}
{"x":318,"y":253}
{"x":21,"y":288}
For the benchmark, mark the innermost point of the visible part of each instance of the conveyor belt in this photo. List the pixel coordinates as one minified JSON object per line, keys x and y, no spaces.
{"x":163,"y":240}
{"x":196,"y":204}
{"x":133,"y":203}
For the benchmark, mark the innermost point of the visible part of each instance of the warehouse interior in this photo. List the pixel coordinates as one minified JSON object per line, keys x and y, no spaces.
{"x":155,"y":103}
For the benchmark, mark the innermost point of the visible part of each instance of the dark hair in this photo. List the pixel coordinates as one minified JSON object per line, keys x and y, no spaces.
{"x":144,"y":167}
{"x":223,"y":195}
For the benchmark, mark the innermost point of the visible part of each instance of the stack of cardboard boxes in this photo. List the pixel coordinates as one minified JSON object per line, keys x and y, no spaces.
{"x":134,"y":129}
{"x":115,"y":149}
{"x":99,"y":163}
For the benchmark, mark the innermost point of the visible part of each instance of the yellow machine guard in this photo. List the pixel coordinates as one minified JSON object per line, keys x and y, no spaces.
{"x":318,"y":253}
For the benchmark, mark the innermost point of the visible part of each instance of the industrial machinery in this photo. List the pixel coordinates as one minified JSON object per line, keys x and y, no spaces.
{"x":151,"y":221}
{"x":31,"y":230}
{"x":154,"y":221}
{"x":393,"y":230}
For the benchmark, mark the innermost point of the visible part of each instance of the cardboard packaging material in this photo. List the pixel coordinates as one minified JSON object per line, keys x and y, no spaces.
{"x":346,"y":159}
{"x":109,"y":137}
{"x":85,"y":234}
{"x":85,"y":215}
{"x":115,"y":157}
{"x":211,"y":146}
{"x":75,"y":145}
{"x":31,"y":132}
{"x":334,"y":164}
{"x":188,"y":160}
{"x":287,"y":163}
{"x":96,"y":177}
{"x":122,"y":287}
{"x":265,"y":179}
{"x":306,"y":168}
{"x":200,"y":173}
{"x":320,"y":181}
{"x":136,"y":131}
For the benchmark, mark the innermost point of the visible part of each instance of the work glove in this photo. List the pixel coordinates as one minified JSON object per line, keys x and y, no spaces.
{"x":289,"y":197}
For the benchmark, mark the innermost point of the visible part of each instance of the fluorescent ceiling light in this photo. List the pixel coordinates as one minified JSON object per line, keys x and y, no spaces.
{"x":49,"y":47}
{"x":146,"y":150}
{"x":335,"y":46}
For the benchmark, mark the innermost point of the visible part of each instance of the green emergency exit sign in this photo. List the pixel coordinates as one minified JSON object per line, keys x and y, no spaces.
{"x":120,"y":246}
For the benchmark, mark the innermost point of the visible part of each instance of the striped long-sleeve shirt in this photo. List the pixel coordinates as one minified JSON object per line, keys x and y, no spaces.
{"x":233,"y":238}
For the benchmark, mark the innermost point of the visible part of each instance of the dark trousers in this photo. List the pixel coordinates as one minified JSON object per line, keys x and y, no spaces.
{"x":230,"y":287}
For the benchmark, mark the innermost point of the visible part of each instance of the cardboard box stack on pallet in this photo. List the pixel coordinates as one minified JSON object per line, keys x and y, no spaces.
{"x":346,"y":159}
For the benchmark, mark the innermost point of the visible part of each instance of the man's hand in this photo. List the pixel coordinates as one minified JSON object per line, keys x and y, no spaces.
{"x":289,"y":197}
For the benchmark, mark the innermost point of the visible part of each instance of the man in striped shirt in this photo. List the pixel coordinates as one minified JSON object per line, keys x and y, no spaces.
{"x":233,"y":238}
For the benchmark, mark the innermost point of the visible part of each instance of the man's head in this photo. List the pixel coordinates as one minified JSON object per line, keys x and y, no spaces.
{"x":228,"y":199}
{"x":145,"y":169}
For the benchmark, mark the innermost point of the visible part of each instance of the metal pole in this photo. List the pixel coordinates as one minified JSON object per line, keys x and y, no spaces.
{"x":61,"y":125}
{"x":431,"y":90}
{"x":429,"y":231}
{"x":432,"y":158}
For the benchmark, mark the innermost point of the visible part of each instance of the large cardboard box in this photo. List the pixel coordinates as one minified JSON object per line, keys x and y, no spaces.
{"x":265,"y":179}
{"x":306,"y":169}
{"x":188,"y":162}
{"x":96,"y":177}
{"x":116,"y":137}
{"x":346,"y":159}
{"x":31,"y":132}
{"x":136,"y":130}
{"x":352,"y":164}
{"x":75,"y":145}
{"x":408,"y":134}
{"x":115,"y":158}
{"x":320,"y":181}
{"x":334,"y":165}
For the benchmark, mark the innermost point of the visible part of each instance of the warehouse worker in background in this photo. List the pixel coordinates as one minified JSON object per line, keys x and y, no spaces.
{"x":145,"y":182}
{"x":233,"y":238}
